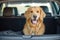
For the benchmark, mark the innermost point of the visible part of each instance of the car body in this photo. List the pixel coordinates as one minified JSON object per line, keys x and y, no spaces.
{"x":11,"y":26}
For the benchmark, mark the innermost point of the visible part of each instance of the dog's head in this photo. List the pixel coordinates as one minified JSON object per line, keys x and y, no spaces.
{"x":34,"y":13}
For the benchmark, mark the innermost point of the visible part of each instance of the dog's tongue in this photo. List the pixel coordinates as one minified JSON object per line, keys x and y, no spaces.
{"x":34,"y":21}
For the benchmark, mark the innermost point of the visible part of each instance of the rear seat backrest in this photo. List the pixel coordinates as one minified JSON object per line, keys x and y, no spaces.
{"x":50,"y":25}
{"x":8,"y":11}
{"x":49,"y":21}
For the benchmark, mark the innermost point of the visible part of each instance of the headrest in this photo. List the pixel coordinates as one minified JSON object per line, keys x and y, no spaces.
{"x":8,"y":11}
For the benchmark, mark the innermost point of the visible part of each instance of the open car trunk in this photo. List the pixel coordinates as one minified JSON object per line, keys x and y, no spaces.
{"x":12,"y":23}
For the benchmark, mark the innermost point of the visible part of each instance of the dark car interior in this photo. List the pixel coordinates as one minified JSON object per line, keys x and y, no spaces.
{"x":16,"y":23}
{"x":11,"y":24}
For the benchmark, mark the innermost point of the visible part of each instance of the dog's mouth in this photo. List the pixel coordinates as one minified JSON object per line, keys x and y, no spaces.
{"x":34,"y":21}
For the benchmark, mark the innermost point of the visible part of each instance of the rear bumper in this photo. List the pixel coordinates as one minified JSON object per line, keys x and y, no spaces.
{"x":23,"y":37}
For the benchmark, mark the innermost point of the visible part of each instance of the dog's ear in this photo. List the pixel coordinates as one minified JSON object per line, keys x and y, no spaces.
{"x":26,"y":14}
{"x":42,"y":14}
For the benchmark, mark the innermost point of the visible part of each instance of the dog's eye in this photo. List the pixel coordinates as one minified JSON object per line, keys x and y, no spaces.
{"x":37,"y":11}
{"x":31,"y":11}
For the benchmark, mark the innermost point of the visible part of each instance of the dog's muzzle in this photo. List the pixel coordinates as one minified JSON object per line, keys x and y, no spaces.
{"x":34,"y":20}
{"x":34,"y":17}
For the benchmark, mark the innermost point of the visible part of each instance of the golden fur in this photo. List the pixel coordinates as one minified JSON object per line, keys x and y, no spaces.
{"x":36,"y":27}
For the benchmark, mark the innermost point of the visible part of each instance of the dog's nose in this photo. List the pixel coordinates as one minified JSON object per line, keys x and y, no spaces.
{"x":34,"y":16}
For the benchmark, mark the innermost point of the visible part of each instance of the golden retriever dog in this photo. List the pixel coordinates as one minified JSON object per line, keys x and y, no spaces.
{"x":34,"y":21}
